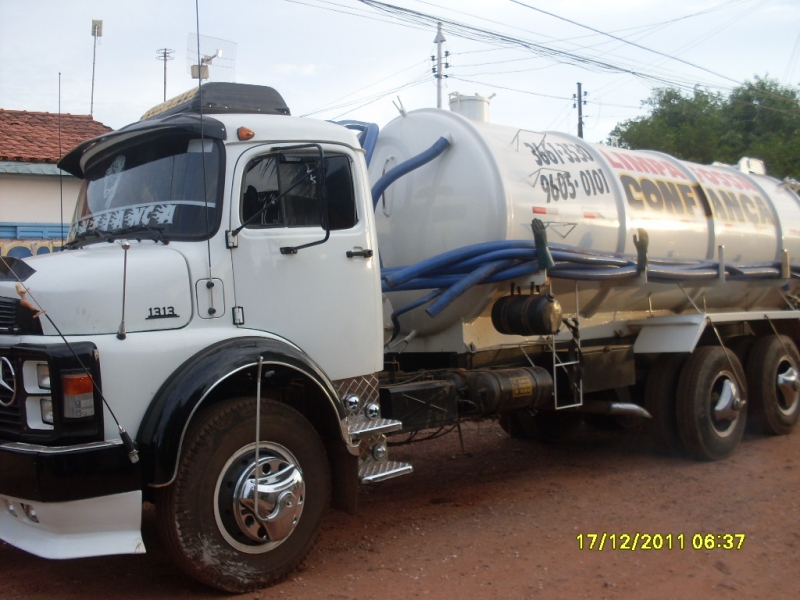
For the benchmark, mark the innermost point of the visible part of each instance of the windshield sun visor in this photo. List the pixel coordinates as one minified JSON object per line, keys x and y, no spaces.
{"x":208,"y":127}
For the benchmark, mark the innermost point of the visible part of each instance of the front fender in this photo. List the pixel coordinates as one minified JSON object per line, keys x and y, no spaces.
{"x":164,"y":425}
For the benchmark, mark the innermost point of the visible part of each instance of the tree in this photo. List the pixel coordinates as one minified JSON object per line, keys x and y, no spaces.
{"x":759,"y":119}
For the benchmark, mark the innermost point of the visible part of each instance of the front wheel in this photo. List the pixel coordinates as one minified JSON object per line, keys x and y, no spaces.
{"x":237,"y":522}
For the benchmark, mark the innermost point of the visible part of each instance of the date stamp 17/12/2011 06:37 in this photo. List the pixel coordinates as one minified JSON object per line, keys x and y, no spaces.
{"x":658,"y":541}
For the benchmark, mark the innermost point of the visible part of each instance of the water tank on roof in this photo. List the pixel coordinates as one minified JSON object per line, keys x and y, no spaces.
{"x":475,"y":108}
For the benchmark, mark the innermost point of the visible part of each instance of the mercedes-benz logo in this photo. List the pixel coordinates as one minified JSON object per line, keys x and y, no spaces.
{"x":8,"y":382}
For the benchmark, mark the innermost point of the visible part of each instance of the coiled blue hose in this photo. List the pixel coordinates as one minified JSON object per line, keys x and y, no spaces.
{"x":457,"y":271}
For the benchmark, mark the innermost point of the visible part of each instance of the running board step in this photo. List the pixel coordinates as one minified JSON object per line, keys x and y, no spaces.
{"x":368,"y":427}
{"x":371,"y":472}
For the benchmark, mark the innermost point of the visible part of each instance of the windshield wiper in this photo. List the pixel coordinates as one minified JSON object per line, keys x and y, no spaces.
{"x":83,"y":235}
{"x":155,"y":233}
{"x":138,"y":232}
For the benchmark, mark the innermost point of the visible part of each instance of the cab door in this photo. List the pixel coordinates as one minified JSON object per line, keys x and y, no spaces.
{"x":306,"y":266}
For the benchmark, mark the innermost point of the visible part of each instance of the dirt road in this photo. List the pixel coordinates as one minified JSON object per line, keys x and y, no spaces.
{"x":503,"y":521}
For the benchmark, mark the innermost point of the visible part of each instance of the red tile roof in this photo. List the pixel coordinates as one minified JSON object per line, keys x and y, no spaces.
{"x":33,"y":136}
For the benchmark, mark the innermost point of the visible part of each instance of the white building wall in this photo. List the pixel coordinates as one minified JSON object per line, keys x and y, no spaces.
{"x":37,"y":198}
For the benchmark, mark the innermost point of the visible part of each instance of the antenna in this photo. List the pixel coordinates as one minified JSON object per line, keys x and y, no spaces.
{"x":165,"y":54}
{"x":97,"y":31}
{"x":198,"y":55}
{"x":60,"y":172}
{"x":216,"y":59}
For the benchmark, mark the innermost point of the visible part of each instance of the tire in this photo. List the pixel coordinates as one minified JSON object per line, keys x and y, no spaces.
{"x":774,"y":385}
{"x":741,"y":345}
{"x":215,"y":537}
{"x":661,"y":402}
{"x":708,"y":429}
{"x":544,"y":426}
{"x":509,"y":422}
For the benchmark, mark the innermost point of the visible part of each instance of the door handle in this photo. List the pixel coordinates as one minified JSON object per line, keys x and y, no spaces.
{"x":362,"y":253}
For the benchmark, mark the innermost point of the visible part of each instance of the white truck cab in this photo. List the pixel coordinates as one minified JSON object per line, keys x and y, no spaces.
{"x":205,"y":250}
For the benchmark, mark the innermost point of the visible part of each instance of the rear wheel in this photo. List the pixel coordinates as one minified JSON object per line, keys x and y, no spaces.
{"x":711,"y":411}
{"x":237,"y":522}
{"x":774,"y":385}
{"x":660,"y":401}
{"x":741,"y":345}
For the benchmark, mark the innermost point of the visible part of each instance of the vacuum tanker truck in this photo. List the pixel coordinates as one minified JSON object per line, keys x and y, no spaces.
{"x":251,"y":305}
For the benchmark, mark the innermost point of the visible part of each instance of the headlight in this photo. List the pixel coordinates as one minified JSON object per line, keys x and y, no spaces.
{"x":46,"y":405}
{"x":43,"y":376}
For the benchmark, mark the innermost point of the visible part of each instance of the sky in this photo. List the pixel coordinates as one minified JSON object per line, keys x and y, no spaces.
{"x":345,"y":59}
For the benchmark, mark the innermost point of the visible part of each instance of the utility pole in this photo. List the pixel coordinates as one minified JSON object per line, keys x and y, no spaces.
{"x":580,"y":102}
{"x":97,"y":31}
{"x":437,"y":70}
{"x":165,"y":54}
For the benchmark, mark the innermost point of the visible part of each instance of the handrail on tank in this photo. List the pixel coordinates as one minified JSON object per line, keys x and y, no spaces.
{"x":367,"y":137}
{"x":406,"y":167}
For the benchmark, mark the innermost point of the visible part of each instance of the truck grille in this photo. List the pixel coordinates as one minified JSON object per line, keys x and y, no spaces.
{"x":8,"y":313}
{"x":17,"y":319}
{"x":10,"y":383}
{"x":10,"y":418}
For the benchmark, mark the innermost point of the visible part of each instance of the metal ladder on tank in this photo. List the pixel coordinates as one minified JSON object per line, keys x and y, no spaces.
{"x":565,"y":365}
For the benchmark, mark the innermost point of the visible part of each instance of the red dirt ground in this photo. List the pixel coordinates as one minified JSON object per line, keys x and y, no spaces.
{"x":502,"y":522}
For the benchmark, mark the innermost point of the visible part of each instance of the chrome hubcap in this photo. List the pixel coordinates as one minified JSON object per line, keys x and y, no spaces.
{"x":788,"y":384}
{"x":726,"y":403}
{"x":259,"y":505}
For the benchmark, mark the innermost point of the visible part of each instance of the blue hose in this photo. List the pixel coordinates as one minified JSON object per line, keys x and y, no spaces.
{"x":453,"y":273}
{"x":445,"y":281}
{"x":396,"y":275}
{"x":411,"y":306}
{"x":406,"y":167}
{"x":454,"y":291}
{"x":367,"y":137}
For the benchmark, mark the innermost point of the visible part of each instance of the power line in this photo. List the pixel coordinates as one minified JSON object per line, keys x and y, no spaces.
{"x":706,"y":36}
{"x":325,"y":107}
{"x":661,"y":24}
{"x":624,"y":40}
{"x":419,"y":20}
{"x":406,"y":86}
{"x":487,"y":36}
{"x":510,"y":89}
{"x":792,"y":61}
{"x":422,"y":78}
{"x":353,"y":12}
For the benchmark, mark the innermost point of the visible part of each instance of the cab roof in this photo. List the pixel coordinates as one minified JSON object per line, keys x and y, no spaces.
{"x":233,"y":105}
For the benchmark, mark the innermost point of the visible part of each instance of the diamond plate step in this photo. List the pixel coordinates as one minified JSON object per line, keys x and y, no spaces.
{"x":368,"y":427}
{"x":371,"y":472}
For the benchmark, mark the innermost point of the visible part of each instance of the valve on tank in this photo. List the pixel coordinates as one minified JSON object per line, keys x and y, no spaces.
{"x":533,"y":314}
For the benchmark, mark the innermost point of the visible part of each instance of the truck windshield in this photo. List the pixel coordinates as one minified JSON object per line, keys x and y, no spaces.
{"x":153,"y":188}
